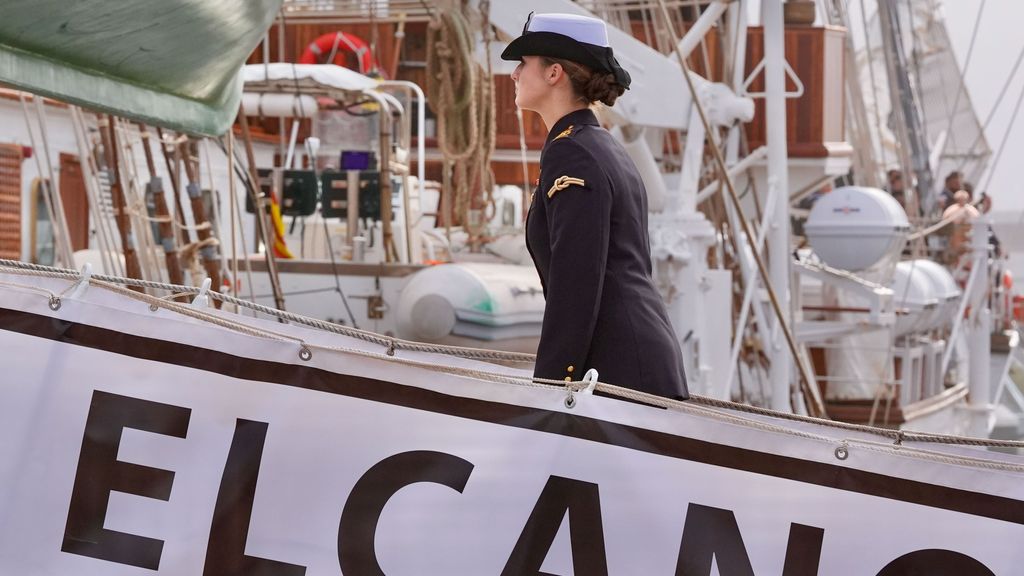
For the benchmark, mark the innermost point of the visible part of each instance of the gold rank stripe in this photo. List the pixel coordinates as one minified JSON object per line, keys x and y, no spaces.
{"x":563,"y":182}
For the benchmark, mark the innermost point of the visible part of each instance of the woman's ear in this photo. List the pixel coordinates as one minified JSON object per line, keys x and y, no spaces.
{"x":554,"y":73}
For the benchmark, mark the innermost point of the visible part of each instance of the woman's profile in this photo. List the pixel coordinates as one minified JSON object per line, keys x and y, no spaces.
{"x":586,"y":228}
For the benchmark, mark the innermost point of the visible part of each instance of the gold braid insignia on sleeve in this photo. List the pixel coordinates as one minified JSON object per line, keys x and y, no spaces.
{"x":563,"y":182}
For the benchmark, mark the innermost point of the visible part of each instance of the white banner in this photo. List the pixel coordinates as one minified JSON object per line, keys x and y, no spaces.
{"x":136,"y":442}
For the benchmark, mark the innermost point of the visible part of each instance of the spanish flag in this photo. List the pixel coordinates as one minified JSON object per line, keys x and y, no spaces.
{"x":280,"y":248}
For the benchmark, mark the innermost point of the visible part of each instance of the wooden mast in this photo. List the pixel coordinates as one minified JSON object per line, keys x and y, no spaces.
{"x":132,"y":267}
{"x":261,"y":212}
{"x":172,"y":173}
{"x":156,"y":187}
{"x":207,"y":243}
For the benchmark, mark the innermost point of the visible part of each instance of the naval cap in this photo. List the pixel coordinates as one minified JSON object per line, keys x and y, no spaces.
{"x":571,"y":37}
{"x":580,"y":28}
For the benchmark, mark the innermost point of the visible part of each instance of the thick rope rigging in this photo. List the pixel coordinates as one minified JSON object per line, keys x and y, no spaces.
{"x":461,"y":93}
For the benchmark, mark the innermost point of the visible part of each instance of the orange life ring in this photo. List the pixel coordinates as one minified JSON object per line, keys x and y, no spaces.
{"x":338,"y":43}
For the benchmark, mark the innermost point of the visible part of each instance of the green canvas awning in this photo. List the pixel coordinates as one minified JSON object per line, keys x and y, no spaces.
{"x":173,"y":63}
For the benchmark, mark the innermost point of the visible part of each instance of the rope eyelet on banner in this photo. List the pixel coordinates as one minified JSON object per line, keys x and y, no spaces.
{"x":153,"y":307}
{"x":391,"y":347}
{"x":842,"y":452}
{"x":570,"y":400}
{"x":899,"y":438}
{"x":305,"y":354}
{"x":54,"y":302}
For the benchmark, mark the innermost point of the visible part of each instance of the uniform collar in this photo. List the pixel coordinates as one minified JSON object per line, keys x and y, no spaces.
{"x":574,"y":118}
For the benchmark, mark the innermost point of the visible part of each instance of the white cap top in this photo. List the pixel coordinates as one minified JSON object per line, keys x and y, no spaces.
{"x":580,"y":28}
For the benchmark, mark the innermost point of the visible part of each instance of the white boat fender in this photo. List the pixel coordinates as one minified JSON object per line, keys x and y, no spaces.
{"x":202,"y":300}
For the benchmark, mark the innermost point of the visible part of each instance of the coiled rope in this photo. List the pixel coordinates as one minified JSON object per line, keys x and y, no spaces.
{"x":461,"y":94}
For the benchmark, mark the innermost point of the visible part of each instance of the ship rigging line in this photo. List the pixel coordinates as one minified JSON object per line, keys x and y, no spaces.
{"x":1002,"y":145}
{"x":698,"y":405}
{"x":874,"y":86}
{"x":992,"y":112}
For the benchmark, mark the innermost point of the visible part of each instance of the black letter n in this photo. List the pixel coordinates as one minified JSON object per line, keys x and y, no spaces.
{"x":100,"y":472}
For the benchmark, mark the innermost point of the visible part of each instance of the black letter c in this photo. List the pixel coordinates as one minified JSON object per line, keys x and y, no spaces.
{"x":358,"y":527}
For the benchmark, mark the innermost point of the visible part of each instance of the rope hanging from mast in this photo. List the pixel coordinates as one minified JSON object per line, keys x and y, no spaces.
{"x":461,"y":93}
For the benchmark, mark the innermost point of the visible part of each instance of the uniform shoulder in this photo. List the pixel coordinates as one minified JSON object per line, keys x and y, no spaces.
{"x":568,"y":161}
{"x":578,"y":132}
{"x":566,"y":152}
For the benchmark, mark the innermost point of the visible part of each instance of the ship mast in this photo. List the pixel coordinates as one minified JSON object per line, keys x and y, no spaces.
{"x":778,"y":178}
{"x":910,"y":131}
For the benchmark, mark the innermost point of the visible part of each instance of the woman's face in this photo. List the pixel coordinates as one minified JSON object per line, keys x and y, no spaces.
{"x":531,"y":84}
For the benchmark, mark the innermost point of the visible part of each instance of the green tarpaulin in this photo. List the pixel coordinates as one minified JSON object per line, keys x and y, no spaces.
{"x":173,"y":63}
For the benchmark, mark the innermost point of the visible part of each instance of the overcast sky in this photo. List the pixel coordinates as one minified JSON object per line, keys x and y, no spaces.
{"x":998,"y":43}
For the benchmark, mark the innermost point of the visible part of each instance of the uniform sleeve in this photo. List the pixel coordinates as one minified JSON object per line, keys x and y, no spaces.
{"x":578,"y":202}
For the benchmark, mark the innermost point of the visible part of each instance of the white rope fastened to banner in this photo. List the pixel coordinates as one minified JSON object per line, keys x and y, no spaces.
{"x":585,"y":386}
{"x":695,"y":405}
{"x":82,"y":284}
{"x":202,"y":300}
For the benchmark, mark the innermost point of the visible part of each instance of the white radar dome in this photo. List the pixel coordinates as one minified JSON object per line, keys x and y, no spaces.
{"x":853,"y":228}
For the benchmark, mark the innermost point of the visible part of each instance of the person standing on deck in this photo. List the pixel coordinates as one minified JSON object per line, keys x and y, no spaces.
{"x":586,"y":228}
{"x":952,"y":186}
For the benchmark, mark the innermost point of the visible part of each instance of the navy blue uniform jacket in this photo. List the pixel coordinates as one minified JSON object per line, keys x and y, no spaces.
{"x":587,"y":233}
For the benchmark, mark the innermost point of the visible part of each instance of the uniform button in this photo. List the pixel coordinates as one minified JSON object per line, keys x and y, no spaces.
{"x":570,"y":369}
{"x":568,"y":378}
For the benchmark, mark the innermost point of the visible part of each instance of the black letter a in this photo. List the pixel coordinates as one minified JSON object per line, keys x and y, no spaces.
{"x":586,"y":533}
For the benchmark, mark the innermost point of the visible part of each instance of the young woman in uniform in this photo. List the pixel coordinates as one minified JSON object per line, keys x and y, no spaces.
{"x":586,"y":227}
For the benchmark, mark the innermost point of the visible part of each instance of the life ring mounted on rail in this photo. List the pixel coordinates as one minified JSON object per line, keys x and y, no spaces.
{"x":336,"y":44}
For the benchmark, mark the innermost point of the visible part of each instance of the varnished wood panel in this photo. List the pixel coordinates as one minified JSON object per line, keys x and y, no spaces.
{"x":814,"y":121}
{"x":76,"y":203}
{"x":10,"y":201}
{"x":709,"y":67}
{"x":505,"y":173}
{"x":512,"y":173}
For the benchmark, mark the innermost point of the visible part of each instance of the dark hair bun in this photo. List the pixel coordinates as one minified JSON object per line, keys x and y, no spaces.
{"x":603,"y":88}
{"x":591,"y":86}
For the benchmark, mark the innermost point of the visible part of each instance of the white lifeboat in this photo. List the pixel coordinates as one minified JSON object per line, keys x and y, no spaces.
{"x":854,"y":228}
{"x":488,"y":302}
